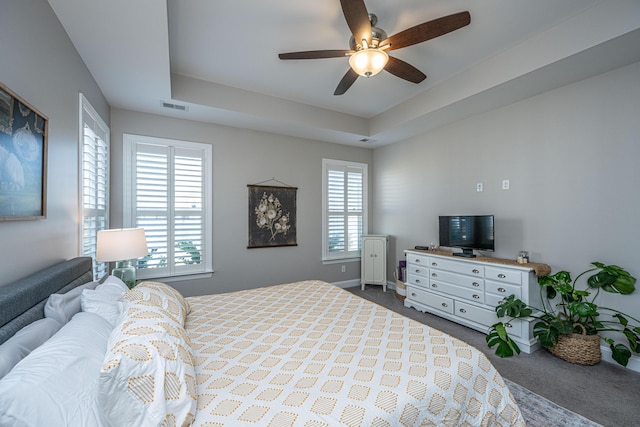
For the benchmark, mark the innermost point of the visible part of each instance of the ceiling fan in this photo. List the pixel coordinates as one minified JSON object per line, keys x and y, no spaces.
{"x":370,"y":44}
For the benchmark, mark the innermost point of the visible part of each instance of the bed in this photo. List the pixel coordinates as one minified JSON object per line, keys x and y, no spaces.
{"x":298,"y":354}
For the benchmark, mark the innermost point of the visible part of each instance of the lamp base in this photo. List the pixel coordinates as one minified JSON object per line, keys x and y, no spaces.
{"x":126,"y":272}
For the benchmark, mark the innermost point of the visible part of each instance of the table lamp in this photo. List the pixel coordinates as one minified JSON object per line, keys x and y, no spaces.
{"x":122,"y":246}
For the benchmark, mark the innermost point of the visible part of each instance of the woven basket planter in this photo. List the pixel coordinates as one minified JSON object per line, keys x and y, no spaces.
{"x":401,"y":290}
{"x":581,"y":349}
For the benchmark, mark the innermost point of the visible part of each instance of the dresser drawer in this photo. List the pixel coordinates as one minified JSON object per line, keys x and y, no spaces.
{"x":417,"y":269}
{"x":503,"y":275}
{"x":417,"y":280}
{"x":502,"y":289}
{"x":457,"y":279}
{"x":457,"y":267}
{"x":486,"y":317}
{"x":417,"y":259}
{"x":437,"y":302}
{"x":458,"y":291}
{"x":493,"y":300}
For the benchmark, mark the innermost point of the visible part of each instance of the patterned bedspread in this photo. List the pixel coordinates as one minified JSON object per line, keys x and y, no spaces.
{"x":311,"y":354}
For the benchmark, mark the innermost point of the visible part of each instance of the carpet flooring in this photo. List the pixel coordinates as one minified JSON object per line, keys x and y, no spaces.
{"x":606,"y":393}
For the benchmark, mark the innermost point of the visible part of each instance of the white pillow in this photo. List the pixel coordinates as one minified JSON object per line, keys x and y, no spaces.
{"x":62,"y":307}
{"x":24,"y":342}
{"x":57,"y":384}
{"x":103,"y":300}
{"x":148,"y":375}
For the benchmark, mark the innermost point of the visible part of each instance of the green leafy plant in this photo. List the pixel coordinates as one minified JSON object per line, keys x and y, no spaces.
{"x":565,"y":307}
{"x":187,"y":247}
{"x":186,"y":253}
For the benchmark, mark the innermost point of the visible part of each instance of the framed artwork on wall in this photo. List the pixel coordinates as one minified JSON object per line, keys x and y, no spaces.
{"x":23,"y":159}
{"x":272,"y":216}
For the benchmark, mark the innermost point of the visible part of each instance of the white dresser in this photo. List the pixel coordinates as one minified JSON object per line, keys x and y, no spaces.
{"x":467,"y":290}
{"x":374,"y":261}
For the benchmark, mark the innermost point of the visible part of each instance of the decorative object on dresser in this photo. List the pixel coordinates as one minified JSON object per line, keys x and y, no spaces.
{"x":373,"y":266}
{"x":467,"y":291}
{"x":122,"y":245}
{"x":568,"y":320}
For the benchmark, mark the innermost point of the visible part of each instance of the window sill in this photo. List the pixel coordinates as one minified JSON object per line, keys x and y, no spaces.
{"x":179,"y":278}
{"x":340,"y":260}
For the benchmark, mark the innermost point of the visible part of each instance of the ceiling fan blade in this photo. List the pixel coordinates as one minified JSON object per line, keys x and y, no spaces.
{"x":406,"y":71}
{"x":315,"y":54}
{"x":428,"y":30}
{"x":349,"y":78}
{"x":357,"y":17}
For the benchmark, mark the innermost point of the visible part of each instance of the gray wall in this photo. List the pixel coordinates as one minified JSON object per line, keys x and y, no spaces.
{"x":571,"y":156}
{"x":40,"y":64}
{"x":242,"y":157}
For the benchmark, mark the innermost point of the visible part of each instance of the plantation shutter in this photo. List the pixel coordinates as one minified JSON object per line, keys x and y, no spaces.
{"x":168,"y":200}
{"x":345,"y":208}
{"x":94,"y":181}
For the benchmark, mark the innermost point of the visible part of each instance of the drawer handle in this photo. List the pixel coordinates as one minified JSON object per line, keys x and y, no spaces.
{"x":434,"y":274}
{"x":476,"y":284}
{"x":509,"y":325}
{"x":417,"y":270}
{"x":462,"y":310}
{"x":418,"y":281}
{"x":476,"y":296}
{"x":413,"y":294}
{"x":501,"y":276}
{"x":444,"y":304}
{"x":475,"y":271}
{"x":435,"y":264}
{"x":502,"y":290}
{"x":418,"y":260}
{"x":433,"y":285}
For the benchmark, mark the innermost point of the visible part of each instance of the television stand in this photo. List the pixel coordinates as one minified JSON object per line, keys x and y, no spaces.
{"x":466,"y":253}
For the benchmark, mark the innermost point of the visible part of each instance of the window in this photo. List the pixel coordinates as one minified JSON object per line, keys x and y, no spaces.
{"x":168,"y":193}
{"x":344,"y":199}
{"x":94,"y":181}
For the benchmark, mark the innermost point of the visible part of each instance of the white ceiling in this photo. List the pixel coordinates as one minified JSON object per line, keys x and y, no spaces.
{"x":219,"y":58}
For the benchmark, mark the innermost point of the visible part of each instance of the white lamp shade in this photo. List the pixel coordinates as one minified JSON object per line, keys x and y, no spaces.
{"x":368,"y":62}
{"x":121,"y":244}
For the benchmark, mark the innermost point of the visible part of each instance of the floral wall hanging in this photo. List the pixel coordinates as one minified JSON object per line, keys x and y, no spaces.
{"x":272,"y":216}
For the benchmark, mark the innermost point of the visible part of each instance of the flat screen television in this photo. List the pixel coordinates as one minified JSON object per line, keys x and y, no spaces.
{"x":467,"y":232}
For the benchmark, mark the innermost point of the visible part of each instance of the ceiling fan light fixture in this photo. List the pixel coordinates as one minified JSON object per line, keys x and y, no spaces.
{"x":368,"y":62}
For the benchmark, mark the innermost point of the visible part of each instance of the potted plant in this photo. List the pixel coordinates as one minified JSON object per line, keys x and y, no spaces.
{"x":568,"y":311}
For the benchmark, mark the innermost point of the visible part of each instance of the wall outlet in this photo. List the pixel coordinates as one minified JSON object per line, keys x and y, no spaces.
{"x":344,"y":268}
{"x":479,"y":187}
{"x":505,"y":184}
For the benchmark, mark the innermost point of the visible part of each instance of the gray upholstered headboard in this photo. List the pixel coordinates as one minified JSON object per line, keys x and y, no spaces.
{"x":22,"y":302}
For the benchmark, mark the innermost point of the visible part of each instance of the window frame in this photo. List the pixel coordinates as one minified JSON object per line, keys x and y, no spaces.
{"x":129,"y":144}
{"x":86,"y":111}
{"x":328,"y":165}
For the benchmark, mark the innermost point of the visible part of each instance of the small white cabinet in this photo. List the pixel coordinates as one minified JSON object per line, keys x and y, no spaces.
{"x":467,"y":291}
{"x":373,"y":269}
